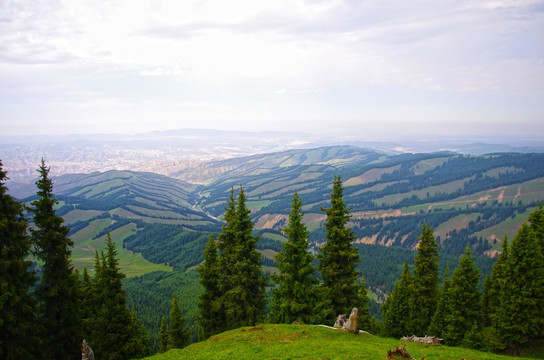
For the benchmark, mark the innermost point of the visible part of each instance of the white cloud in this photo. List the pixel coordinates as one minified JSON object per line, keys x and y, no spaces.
{"x":288,"y":59}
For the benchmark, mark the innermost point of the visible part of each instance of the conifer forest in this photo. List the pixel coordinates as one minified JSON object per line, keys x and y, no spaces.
{"x":224,"y":273}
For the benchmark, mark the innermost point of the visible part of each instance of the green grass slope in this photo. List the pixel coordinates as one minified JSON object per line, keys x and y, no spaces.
{"x":311,"y":342}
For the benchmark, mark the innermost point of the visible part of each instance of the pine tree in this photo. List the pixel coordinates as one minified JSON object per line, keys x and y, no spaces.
{"x":464,"y":300}
{"x":139,"y":340}
{"x":486,"y":309}
{"x":536,"y":218}
{"x":211,"y":317}
{"x":497,"y":284}
{"x":296,"y":296}
{"x":338,"y":258}
{"x":396,"y":319}
{"x":112,"y":334}
{"x":178,"y":336}
{"x":520,"y":317}
{"x":163,"y":336}
{"x":390,"y":312}
{"x":365,"y":320}
{"x":425,"y":284}
{"x":473,"y":338}
{"x":438,"y":322}
{"x":16,"y":279}
{"x":58,"y":290}
{"x":227,"y":256}
{"x":245,"y":299}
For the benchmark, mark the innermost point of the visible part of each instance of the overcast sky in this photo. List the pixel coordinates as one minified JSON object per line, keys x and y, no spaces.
{"x":371,"y":69}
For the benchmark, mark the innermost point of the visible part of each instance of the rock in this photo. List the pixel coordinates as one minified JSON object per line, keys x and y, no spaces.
{"x":86,"y":351}
{"x":353,"y":322}
{"x":341,"y":320}
{"x":433,"y":340}
{"x":400,"y":354}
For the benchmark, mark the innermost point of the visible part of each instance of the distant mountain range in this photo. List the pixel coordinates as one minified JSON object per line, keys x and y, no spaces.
{"x":177,"y":153}
{"x":163,"y":220}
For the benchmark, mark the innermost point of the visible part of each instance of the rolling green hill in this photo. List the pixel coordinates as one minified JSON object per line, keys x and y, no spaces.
{"x":311,"y":342}
{"x":132,"y":206}
{"x":466,"y":199}
{"x":161,"y":224}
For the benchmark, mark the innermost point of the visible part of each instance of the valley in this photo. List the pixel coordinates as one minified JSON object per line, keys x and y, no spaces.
{"x":160,"y":224}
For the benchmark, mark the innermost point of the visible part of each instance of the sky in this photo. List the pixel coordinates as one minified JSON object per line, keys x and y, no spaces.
{"x":366,"y":69}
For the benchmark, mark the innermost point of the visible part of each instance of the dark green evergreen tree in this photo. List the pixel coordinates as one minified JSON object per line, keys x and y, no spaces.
{"x":163,"y":336}
{"x":17,"y":338}
{"x":438,"y":322}
{"x":536,"y":218}
{"x":338,"y":258}
{"x":245,"y":300}
{"x":227,"y":257}
{"x":296,"y":296}
{"x":178,"y":336}
{"x":497,"y":284}
{"x":390,"y":312}
{"x":486,"y":309}
{"x":112,"y":334}
{"x":473,"y":338}
{"x":425,"y":283}
{"x":365,"y":320}
{"x":520,"y":317}
{"x":396,"y":318}
{"x":58,"y":290}
{"x":464,"y":300}
{"x":139,"y":339}
{"x":211,"y":318}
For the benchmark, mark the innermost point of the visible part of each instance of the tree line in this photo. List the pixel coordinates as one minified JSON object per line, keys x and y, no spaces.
{"x":47,"y":308}
{"x":234,"y":286}
{"x":506,"y":316}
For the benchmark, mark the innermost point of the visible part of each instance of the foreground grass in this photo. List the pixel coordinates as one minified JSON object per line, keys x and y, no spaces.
{"x":311,"y":342}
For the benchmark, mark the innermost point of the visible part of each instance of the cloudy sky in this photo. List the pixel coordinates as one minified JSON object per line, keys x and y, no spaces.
{"x":371,"y":69}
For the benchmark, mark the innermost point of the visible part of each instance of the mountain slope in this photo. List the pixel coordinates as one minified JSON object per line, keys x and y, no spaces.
{"x":467,"y":199}
{"x":131,"y":206}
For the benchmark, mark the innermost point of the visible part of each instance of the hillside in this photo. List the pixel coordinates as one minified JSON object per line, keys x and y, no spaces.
{"x":311,"y":342}
{"x":466,"y":199}
{"x":161,"y":224}
{"x":128,"y":205}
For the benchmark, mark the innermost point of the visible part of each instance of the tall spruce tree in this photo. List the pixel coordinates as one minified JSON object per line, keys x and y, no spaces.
{"x":16,"y":280}
{"x":338,"y":258}
{"x":297,"y":295}
{"x":139,"y":338}
{"x":438,"y":322}
{"x":178,"y":336}
{"x":520,"y":317}
{"x":227,"y":254}
{"x":497,"y":284}
{"x":464,"y":300}
{"x":112,"y":334}
{"x":58,"y":290}
{"x":536,"y":218}
{"x":425,"y":283}
{"x":245,"y":300}
{"x":163,"y":336}
{"x":366,"y":322}
{"x":396,"y":318}
{"x":211,"y":318}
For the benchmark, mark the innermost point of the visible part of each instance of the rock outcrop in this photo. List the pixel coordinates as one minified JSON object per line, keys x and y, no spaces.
{"x":352,"y":324}
{"x":340,"y":321}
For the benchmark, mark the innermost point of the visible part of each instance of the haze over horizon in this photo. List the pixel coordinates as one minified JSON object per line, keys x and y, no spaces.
{"x":415,"y":70}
